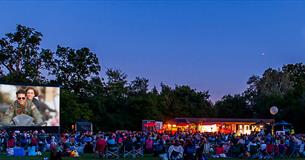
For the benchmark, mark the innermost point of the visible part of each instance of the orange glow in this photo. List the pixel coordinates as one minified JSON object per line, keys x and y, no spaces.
{"x":169,"y":125}
{"x":174,"y":125}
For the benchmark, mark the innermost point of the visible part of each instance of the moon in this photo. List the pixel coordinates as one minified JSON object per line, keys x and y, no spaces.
{"x":263,"y":54}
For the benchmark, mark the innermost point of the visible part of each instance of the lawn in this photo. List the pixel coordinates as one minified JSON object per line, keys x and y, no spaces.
{"x":89,"y":157}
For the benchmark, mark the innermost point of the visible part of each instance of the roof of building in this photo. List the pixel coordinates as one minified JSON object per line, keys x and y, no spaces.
{"x":196,"y":120}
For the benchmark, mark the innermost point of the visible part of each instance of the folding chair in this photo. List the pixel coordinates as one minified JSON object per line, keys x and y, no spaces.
{"x":295,"y":152}
{"x":139,"y":151}
{"x":128,"y":150}
{"x":112,"y":151}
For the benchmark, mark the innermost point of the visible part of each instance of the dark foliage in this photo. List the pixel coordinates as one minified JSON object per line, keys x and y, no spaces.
{"x":112,"y":102}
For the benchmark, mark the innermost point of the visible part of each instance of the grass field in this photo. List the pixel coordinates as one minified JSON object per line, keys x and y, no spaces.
{"x":92,"y":157}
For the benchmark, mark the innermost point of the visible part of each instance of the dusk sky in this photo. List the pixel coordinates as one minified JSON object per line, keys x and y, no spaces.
{"x":213,"y":46}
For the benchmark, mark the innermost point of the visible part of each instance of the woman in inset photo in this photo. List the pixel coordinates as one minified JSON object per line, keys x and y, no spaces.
{"x":44,"y":109}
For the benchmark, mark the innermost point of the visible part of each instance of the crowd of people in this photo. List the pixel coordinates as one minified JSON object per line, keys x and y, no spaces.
{"x":180,"y":145}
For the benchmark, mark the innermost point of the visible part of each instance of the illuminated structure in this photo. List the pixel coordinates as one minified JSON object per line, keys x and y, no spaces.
{"x":151,"y":125}
{"x":223,"y":125}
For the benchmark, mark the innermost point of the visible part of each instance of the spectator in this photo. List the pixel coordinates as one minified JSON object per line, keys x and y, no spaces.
{"x":100,"y":146}
{"x":175,"y":151}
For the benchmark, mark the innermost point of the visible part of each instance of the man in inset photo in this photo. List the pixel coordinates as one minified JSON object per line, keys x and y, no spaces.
{"x":22,"y":106}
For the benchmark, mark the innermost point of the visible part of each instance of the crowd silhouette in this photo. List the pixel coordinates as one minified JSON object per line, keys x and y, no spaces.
{"x":179,"y":145}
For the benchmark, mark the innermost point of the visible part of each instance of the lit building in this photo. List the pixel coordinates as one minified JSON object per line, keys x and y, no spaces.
{"x":223,"y":125}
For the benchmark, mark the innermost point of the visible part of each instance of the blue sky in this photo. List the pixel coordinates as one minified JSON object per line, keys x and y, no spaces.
{"x":209,"y":45}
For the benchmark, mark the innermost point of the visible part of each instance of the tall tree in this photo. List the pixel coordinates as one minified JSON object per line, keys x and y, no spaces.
{"x":116,"y":91}
{"x":141,"y":103}
{"x":21,"y":58}
{"x":296,"y":73}
{"x":233,"y":107}
{"x":268,"y":90}
{"x":74,"y":68}
{"x":295,"y":100}
{"x":184,"y":101}
{"x":139,"y":86}
{"x":274,"y":82}
{"x":73,"y":108}
{"x":117,"y":83}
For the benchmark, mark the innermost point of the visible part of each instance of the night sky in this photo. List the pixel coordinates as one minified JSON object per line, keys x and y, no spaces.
{"x":208,"y":45}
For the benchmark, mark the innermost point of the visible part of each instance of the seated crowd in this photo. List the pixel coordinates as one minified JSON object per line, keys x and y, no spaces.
{"x":181,"y":145}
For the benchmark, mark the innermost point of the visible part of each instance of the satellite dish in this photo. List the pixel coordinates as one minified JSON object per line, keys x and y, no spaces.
{"x":274,"y":110}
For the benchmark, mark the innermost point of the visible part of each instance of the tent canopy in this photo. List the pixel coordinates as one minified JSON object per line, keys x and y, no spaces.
{"x":282,"y":123}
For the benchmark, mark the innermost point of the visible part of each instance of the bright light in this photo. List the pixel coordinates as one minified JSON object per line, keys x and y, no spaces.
{"x":260,"y":126}
{"x":169,"y":125}
{"x":174,"y":125}
{"x":208,"y":128}
{"x":247,"y":129}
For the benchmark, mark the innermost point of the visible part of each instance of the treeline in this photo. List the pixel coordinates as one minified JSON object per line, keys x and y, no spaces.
{"x":112,"y":102}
